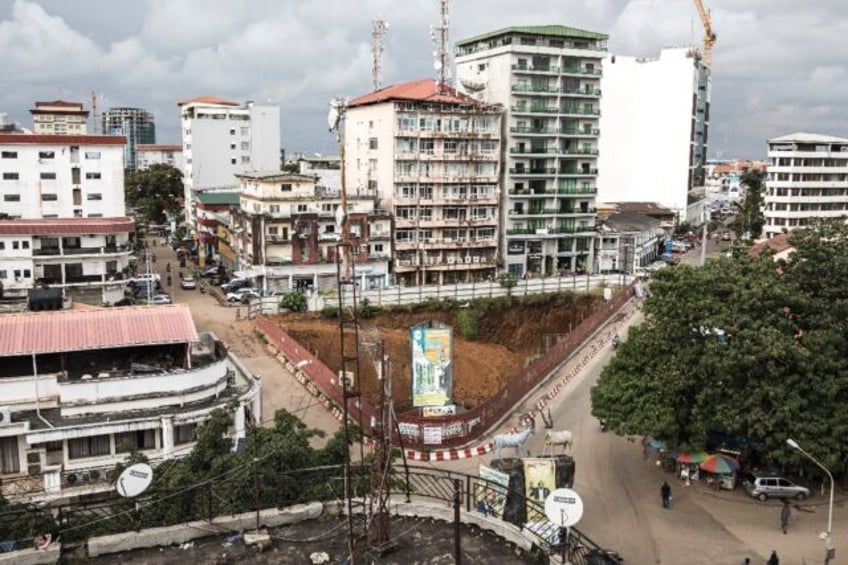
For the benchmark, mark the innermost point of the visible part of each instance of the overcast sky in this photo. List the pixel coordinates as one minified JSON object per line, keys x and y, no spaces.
{"x":779,"y":65}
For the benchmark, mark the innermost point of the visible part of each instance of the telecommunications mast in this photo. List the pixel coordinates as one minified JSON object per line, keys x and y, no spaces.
{"x":440,"y":36}
{"x":378,"y":30}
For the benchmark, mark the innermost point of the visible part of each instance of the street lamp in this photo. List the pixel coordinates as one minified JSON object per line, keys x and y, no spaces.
{"x":828,"y":540}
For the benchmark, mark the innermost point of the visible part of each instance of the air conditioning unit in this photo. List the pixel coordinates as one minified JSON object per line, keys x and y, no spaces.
{"x":451,"y":260}
{"x":77,"y":477}
{"x":476,"y":259}
{"x":5,"y":416}
{"x":468,"y":260}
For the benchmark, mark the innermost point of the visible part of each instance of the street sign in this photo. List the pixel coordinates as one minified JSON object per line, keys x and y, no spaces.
{"x":564,"y":507}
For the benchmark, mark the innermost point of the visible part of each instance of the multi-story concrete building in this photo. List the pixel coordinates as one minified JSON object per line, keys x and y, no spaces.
{"x":213,"y":212}
{"x":222,"y":139}
{"x":62,"y":215}
{"x":432,"y":154}
{"x":547,"y":78}
{"x":285,"y":233}
{"x":807,"y":180}
{"x":80,"y":389}
{"x":59,"y":118}
{"x":627,"y":241}
{"x":654,"y":130}
{"x":135,"y":124}
{"x":158,"y":154}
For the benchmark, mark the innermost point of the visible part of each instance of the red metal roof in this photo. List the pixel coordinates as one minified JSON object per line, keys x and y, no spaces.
{"x":157,"y":147}
{"x":26,"y":333}
{"x":207,"y":100}
{"x":66,"y":226}
{"x":59,"y":103}
{"x":423,"y":90}
{"x":49,"y":139}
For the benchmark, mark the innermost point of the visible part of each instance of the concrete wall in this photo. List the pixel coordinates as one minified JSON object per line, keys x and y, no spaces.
{"x":30,"y":556}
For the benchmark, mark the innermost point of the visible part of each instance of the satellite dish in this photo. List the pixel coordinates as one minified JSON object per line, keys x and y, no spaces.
{"x":333,"y":116}
{"x":134,"y":480}
{"x":385,"y":25}
{"x":437,"y":65}
{"x":564,"y":507}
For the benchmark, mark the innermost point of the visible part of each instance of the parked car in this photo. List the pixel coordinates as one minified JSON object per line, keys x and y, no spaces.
{"x":763,"y":486}
{"x":144,"y":277}
{"x":243,"y":295}
{"x":211,"y":271}
{"x":155,"y":299}
{"x":656,"y":266}
{"x":235,"y":284}
{"x":643,"y":273}
{"x":188,"y":283}
{"x":725,"y":236}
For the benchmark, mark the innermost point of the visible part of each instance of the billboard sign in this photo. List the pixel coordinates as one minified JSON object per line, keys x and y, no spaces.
{"x":432,"y":365}
{"x":539,"y":483}
{"x":490,"y":496}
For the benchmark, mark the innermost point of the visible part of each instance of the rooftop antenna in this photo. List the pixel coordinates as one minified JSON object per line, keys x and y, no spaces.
{"x":94,"y":124}
{"x":440,"y":35}
{"x":378,"y":30}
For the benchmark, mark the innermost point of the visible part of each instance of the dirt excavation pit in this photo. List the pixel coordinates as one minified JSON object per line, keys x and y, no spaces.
{"x":508,"y":338}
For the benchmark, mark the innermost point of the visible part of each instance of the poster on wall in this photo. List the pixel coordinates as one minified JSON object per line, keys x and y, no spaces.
{"x":490,"y":494}
{"x":539,"y":482}
{"x":432,"y":364}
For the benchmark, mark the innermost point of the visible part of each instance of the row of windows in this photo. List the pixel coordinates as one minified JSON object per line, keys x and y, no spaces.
{"x":50,"y":197}
{"x":46,"y":154}
{"x":50,"y":176}
{"x":17,"y":273}
{"x":16,"y":244}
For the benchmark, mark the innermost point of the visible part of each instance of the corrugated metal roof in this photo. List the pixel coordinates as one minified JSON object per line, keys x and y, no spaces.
{"x":802,"y":137}
{"x":50,"y":139}
{"x":103,"y":328}
{"x":550,"y":31}
{"x":217,"y":198}
{"x":66,"y":226}
{"x":207,"y":100}
{"x":423,"y":90}
{"x":157,"y":147}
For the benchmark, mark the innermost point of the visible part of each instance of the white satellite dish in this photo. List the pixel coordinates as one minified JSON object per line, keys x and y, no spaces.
{"x":134,"y":480}
{"x":333,"y":116}
{"x":437,"y":65}
{"x":564,"y":507}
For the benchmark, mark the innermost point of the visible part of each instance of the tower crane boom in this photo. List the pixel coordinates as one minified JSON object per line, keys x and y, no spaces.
{"x":709,"y":35}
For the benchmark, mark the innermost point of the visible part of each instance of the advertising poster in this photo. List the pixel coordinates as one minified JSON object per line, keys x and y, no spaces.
{"x":432,"y":365}
{"x":490,"y":495}
{"x":539,"y":482}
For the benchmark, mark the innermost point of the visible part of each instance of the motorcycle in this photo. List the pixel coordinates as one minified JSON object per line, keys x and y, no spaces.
{"x":615,"y":342}
{"x":603,"y":425}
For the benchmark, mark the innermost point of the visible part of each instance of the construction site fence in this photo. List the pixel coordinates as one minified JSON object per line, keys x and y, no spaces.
{"x":443,"y":431}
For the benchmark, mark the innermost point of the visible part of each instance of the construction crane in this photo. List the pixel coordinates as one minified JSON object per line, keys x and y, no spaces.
{"x":709,"y":34}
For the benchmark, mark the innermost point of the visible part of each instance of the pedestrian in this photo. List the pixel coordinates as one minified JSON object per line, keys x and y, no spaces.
{"x":773,"y":560}
{"x":785,"y":513}
{"x":747,"y":561}
{"x":665,"y":493}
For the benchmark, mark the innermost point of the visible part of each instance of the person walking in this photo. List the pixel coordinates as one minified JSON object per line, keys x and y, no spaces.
{"x":665,"y":494}
{"x":785,"y":514}
{"x":773,"y":560}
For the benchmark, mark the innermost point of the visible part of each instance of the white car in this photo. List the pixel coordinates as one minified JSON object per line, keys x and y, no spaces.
{"x":145,"y":277}
{"x":656,"y":266}
{"x":156,"y":299}
{"x":243,"y":295}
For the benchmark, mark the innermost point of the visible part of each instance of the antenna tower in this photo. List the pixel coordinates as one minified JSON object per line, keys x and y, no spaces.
{"x":94,"y":124}
{"x":378,"y":30}
{"x":440,"y":35}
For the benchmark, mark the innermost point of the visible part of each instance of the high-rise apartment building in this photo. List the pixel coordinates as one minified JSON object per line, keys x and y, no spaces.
{"x":432,"y":155}
{"x":59,"y":117}
{"x":136,"y":124}
{"x":222,"y":139}
{"x":548,"y":80}
{"x":654,"y":125}
{"x":807,"y":180}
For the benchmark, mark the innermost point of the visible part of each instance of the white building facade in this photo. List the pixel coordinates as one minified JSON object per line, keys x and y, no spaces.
{"x":120,"y":379}
{"x":807,"y":180}
{"x":63,"y":217}
{"x":655,"y":129}
{"x":159,"y":154}
{"x":433,"y":156}
{"x":59,"y":118}
{"x":222,"y":139}
{"x":548,"y":80}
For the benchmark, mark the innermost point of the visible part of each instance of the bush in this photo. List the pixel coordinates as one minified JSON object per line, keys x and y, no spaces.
{"x":330,"y":312}
{"x":366,"y":310}
{"x":468,"y":321}
{"x":294,"y":301}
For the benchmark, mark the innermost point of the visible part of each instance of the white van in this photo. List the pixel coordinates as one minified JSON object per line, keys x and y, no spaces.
{"x":145,"y":277}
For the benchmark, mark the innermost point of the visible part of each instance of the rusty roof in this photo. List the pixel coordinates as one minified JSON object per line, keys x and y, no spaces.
{"x":29,"y":333}
{"x":423,"y":90}
{"x":51,"y":139}
{"x":207,"y":100}
{"x":66,"y":226}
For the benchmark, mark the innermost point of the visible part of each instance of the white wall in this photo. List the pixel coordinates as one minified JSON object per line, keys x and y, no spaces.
{"x":646,"y":115}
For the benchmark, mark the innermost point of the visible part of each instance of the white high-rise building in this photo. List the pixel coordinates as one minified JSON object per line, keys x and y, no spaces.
{"x":62,"y":215}
{"x":222,"y":139}
{"x":431,"y":155}
{"x":654,"y":129}
{"x":807,"y":180}
{"x":60,"y":118}
{"x":547,"y":78}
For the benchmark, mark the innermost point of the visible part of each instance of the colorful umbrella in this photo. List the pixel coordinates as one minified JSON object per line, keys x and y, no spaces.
{"x":690,"y":457}
{"x":719,"y":464}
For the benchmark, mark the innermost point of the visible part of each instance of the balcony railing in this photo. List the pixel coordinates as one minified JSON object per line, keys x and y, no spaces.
{"x":535,"y":88}
{"x":571,"y":110}
{"x":576,"y":70}
{"x":577,"y":131}
{"x":530,"y":150}
{"x":569,"y":171}
{"x":535,"y":171}
{"x":532,"y":69}
{"x":536,"y":109}
{"x":55,"y":251}
{"x":579,"y":151}
{"x":594,"y":93}
{"x":525,"y":129}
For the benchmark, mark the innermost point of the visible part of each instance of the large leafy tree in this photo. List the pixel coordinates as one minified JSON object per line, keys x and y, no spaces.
{"x":156,"y":191}
{"x":749,"y":345}
{"x":750,"y":218}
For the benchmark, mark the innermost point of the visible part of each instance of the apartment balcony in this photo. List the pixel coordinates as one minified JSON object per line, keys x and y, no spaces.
{"x":516,"y":214}
{"x":542,"y":171}
{"x":582,"y":93}
{"x":524,"y":109}
{"x":530,"y":69}
{"x":806,"y":213}
{"x":111,"y":279}
{"x":580,"y":71}
{"x":545,"y":90}
{"x":573,"y":190}
{"x":573,"y":111}
{"x":551,"y":232}
{"x":533,"y":150}
{"x":569,"y":172}
{"x":278,"y":239}
{"x":581,"y":151}
{"x":379,"y":235}
{"x":533,"y":131}
{"x":81,"y":251}
{"x":551,"y":192}
{"x":577,"y":132}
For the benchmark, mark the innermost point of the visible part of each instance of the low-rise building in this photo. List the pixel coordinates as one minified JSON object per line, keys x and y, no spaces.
{"x":286,"y":232}
{"x":59,"y":118}
{"x":626,"y":241}
{"x":80,"y":389}
{"x":211,"y":212}
{"x":148,"y":154}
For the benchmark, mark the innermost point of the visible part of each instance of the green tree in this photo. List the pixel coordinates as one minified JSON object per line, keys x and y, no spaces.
{"x":750,"y":219}
{"x":157,"y":192}
{"x":745,"y":345}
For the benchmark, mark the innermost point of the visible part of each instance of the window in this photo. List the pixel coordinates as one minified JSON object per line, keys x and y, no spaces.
{"x":25,"y":244}
{"x":245,"y":159}
{"x":232,"y":145}
{"x":245,"y":146}
{"x":92,"y":154}
{"x":481,"y":67}
{"x":4,"y":274}
{"x":273,"y":230}
{"x":11,"y":176}
{"x":10,"y":461}
{"x":46,"y":155}
{"x":138,"y":440}
{"x":11,"y":198}
{"x":94,"y":196}
{"x":48,"y":176}
{"x":49,"y":197}
{"x":232,"y":131}
{"x":92,"y":176}
{"x":88,"y":447}
{"x":301,"y":208}
{"x":274,"y":209}
{"x":16,"y":245}
{"x":245,"y":131}
{"x":2,"y":245}
{"x":286,"y":187}
{"x":184,"y":434}
{"x":372,"y":143}
{"x":10,"y":154}
{"x":233,"y":161}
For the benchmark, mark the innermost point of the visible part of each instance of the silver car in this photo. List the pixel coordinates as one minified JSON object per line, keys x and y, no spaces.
{"x":763,"y":486}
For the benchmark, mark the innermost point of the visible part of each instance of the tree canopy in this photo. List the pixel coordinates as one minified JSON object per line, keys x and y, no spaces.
{"x":750,"y":219}
{"x":747,"y":345}
{"x":156,"y":191}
